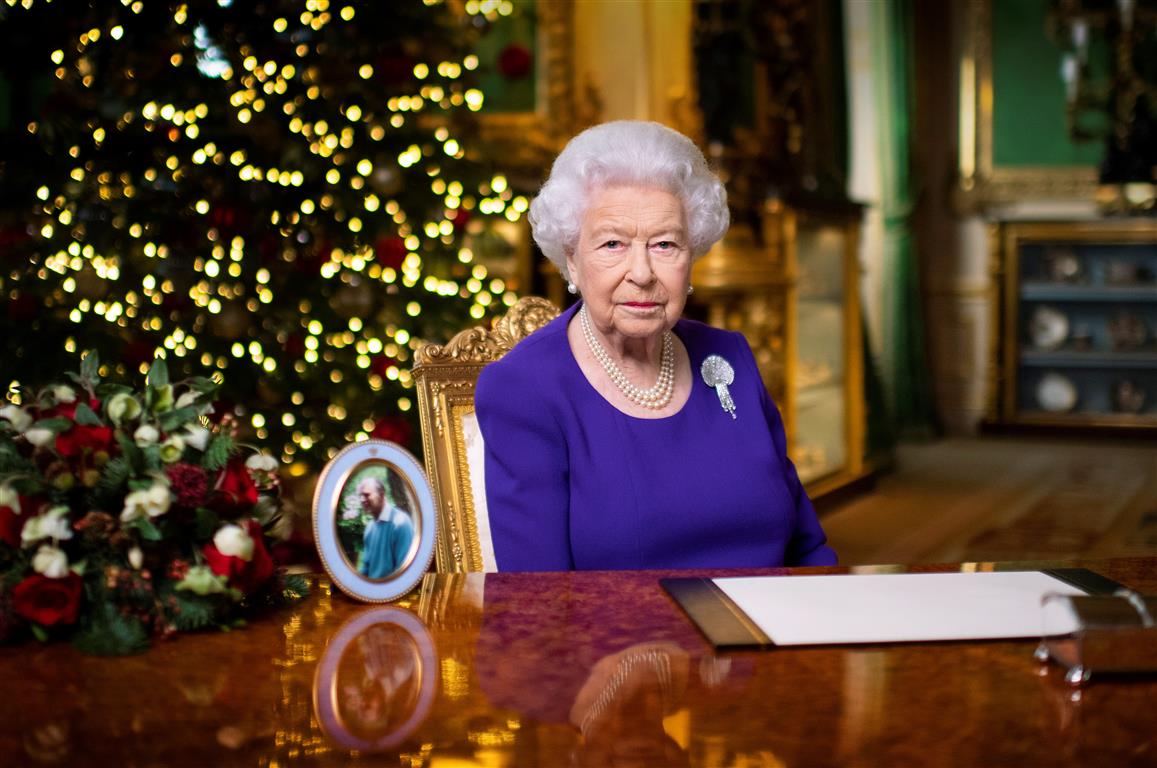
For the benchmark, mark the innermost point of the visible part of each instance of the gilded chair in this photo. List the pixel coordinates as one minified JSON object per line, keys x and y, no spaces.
{"x":445,"y":375}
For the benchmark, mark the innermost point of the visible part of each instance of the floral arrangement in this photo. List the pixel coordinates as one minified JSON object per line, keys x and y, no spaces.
{"x":127,"y":515}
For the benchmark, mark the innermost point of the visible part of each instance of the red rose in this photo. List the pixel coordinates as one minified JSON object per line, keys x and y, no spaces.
{"x":245,"y":575}
{"x":46,"y":601}
{"x":235,"y":491}
{"x":80,"y":438}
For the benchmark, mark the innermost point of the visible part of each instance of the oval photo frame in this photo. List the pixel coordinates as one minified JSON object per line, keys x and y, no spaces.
{"x":374,"y":521}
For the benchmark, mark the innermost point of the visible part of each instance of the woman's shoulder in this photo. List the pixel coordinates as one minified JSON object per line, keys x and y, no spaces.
{"x":702,"y":339}
{"x":532,"y":359}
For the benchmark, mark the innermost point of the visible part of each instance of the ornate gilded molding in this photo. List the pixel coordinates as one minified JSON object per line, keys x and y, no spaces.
{"x":482,"y":345}
{"x":981,"y":183}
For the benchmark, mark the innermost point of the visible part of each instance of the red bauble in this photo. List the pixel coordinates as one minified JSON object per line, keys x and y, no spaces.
{"x":393,"y":428}
{"x":394,"y":69}
{"x":390,"y":251}
{"x":515,"y":61}
{"x":459,"y":218}
{"x":294,"y":345}
{"x":379,"y":364}
{"x":135,"y":352}
{"x":23,"y":308}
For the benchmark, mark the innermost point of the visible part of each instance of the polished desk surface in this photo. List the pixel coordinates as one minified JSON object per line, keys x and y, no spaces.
{"x":559,"y":669}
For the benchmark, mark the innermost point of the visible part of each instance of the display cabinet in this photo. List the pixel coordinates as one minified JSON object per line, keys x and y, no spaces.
{"x":1076,"y":324}
{"x":792,"y":289}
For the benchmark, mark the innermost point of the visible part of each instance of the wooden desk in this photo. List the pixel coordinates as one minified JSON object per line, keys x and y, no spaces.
{"x":512,"y":665}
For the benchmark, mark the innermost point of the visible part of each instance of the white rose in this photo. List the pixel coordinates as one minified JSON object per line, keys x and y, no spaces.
{"x":196,"y":436}
{"x":234,"y":541}
{"x":152,"y":502}
{"x":9,"y":498}
{"x":172,"y":449}
{"x":51,"y":562}
{"x":16,"y":416}
{"x":64,"y":394}
{"x":136,"y":558}
{"x":53,"y":524}
{"x":146,"y":434}
{"x":122,"y":407}
{"x":261,"y":462}
{"x":40,"y":437}
{"x":187,"y":399}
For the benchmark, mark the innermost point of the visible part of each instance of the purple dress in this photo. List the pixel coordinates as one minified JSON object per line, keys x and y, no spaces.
{"x":574,"y":483}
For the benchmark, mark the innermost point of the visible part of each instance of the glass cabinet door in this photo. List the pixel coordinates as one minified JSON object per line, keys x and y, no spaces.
{"x":1081,"y":323}
{"x":819,"y":376}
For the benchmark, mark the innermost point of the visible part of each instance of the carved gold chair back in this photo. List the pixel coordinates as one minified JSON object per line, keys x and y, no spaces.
{"x":445,"y":375}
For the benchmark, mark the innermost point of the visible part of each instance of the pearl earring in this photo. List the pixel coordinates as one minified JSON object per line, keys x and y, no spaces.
{"x":690,"y":290}
{"x":571,"y":288}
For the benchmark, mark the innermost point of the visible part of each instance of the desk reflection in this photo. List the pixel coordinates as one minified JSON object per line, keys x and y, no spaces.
{"x":377,"y":680}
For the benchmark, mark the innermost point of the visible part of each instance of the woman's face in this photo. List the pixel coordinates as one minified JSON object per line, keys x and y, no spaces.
{"x":632,"y":263}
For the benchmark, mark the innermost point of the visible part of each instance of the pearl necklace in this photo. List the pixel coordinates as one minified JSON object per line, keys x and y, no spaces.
{"x":658,"y":396}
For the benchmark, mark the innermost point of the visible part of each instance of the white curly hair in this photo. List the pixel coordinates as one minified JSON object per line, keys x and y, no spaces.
{"x":627,"y":152}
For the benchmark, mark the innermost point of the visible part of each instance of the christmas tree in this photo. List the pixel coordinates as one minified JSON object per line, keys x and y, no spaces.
{"x":283,"y":195}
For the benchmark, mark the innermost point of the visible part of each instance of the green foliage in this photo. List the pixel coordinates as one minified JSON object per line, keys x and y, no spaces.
{"x":145,"y":527}
{"x":90,"y":368}
{"x":218,"y":451}
{"x":295,"y":587}
{"x":55,"y":426}
{"x":116,"y":473}
{"x":193,"y":611}
{"x":206,"y":523}
{"x":158,"y":374}
{"x":106,"y":632}
{"x":86,"y":416}
{"x":171,"y":420}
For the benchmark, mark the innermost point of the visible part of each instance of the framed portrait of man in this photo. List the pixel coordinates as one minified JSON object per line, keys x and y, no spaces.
{"x":373,"y":517}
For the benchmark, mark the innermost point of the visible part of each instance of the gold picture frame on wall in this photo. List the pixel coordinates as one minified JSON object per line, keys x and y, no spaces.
{"x":529,"y":139}
{"x":982,"y":181}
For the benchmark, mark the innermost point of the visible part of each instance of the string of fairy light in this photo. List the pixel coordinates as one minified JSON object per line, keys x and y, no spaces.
{"x":284,"y":89}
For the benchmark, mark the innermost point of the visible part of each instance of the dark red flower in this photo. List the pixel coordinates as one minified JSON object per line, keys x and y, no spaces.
{"x":189,"y":484}
{"x":234,"y":491}
{"x":46,"y":601}
{"x":245,"y":575}
{"x":80,"y":438}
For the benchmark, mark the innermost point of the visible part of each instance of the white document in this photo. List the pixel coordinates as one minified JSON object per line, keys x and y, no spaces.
{"x":892,"y":608}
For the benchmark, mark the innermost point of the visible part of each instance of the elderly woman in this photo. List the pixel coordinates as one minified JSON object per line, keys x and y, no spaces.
{"x":622,"y":435}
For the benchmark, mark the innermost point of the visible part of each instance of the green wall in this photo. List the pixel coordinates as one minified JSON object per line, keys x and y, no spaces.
{"x":1028,"y":122}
